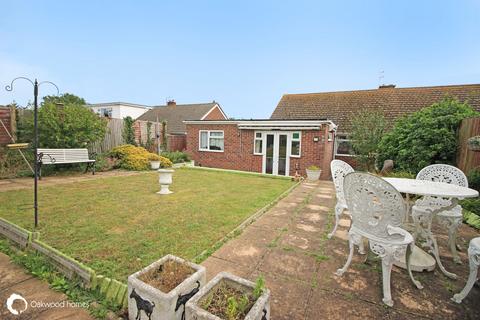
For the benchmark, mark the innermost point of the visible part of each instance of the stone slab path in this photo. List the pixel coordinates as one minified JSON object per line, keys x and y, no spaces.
{"x":27,"y":183}
{"x":13,"y":279}
{"x":288,"y":246}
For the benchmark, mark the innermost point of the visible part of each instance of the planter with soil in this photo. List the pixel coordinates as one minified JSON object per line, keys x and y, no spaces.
{"x":161,"y":290}
{"x":313,"y":173}
{"x":228,"y":297}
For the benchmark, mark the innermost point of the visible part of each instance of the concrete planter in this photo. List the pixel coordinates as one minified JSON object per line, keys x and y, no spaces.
{"x":150,"y":303}
{"x":155,"y":165}
{"x":313,"y":175}
{"x":165,"y":180}
{"x":259,"y":311}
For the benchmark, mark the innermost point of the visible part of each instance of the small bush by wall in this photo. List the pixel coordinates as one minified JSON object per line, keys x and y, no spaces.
{"x":176,"y":156}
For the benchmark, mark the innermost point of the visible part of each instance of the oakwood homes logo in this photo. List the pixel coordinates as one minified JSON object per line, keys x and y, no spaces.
{"x":11,"y":300}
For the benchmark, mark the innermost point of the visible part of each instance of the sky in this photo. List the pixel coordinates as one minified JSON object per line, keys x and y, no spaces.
{"x":243,"y":54}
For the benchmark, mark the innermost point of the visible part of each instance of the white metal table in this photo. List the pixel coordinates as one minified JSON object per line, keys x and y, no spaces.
{"x":419,"y":259}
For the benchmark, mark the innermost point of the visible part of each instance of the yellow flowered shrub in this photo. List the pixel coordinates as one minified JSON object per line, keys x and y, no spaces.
{"x":137,"y":158}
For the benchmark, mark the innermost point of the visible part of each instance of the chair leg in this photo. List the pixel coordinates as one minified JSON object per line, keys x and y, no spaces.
{"x":351,"y":243}
{"x":436,"y":254}
{"x":409,"y":269}
{"x":387,"y":262}
{"x":338,"y":212}
{"x":452,"y":224}
{"x":474,"y":261}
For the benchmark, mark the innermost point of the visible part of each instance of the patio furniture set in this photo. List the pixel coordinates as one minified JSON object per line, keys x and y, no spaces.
{"x":380,"y":214}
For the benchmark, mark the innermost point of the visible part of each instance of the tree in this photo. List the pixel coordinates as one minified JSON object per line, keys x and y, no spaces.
{"x":128,"y":133}
{"x":65,"y":122}
{"x":425,"y":137}
{"x":367,"y":130}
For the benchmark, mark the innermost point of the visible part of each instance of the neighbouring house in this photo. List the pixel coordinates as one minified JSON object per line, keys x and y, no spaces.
{"x":306,"y":129}
{"x":119,"y":110}
{"x":172,"y":116}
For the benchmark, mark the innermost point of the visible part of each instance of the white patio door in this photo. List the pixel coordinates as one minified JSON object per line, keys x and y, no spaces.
{"x":276,"y":159}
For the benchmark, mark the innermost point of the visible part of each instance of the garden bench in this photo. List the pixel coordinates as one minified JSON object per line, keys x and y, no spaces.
{"x":64,"y":156}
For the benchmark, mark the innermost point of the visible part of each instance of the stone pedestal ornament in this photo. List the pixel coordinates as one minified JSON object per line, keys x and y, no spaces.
{"x":147,"y":302}
{"x":165,"y":180}
{"x":474,"y":262}
{"x":378,"y":211}
{"x":155,"y":165}
{"x":259,"y":311}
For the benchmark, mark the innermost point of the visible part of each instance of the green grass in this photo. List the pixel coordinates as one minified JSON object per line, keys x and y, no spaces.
{"x":118,"y":225}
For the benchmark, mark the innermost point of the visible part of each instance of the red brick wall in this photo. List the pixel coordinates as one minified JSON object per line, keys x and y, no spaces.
{"x":238,"y":153}
{"x":216,"y":114}
{"x":176,"y":142}
{"x":7,"y":116}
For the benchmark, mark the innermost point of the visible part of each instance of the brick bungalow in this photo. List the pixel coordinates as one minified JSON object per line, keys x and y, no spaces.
{"x":174,"y":115}
{"x":307,"y":129}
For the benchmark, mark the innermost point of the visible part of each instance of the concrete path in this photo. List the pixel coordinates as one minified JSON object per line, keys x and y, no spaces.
{"x":288,"y":246}
{"x":14,"y":280}
{"x":27,"y":183}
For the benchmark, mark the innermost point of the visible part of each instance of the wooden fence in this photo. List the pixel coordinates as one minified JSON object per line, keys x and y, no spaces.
{"x":7,"y":115}
{"x":466,"y":158}
{"x":113,"y":137}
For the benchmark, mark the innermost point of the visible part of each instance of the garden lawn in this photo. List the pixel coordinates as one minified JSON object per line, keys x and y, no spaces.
{"x":118,"y":225}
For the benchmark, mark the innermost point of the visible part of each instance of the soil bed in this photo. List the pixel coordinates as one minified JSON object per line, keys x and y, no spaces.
{"x":168,"y":276}
{"x":217,"y":302}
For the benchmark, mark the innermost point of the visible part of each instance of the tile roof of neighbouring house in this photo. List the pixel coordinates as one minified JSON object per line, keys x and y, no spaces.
{"x":174,"y":115}
{"x":340,"y":106}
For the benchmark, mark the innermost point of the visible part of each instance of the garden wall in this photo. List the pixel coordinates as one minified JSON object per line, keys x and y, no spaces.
{"x":7,"y":115}
{"x":113,"y":137}
{"x":468,"y":159}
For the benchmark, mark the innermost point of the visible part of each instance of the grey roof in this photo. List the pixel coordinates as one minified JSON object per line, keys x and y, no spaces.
{"x":176,"y":114}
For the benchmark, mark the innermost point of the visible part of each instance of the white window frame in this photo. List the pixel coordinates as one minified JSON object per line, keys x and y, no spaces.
{"x":208,"y":140}
{"x":255,"y":139}
{"x":299,"y":144}
{"x":337,"y":141}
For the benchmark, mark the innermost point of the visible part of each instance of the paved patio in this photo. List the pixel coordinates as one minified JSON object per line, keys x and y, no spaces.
{"x":13,"y":279}
{"x":288,"y":245}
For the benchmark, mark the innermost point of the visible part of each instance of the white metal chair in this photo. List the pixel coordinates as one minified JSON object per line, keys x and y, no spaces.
{"x":339,"y":169}
{"x":474,"y":259}
{"x":377,"y":210}
{"x":451,"y":218}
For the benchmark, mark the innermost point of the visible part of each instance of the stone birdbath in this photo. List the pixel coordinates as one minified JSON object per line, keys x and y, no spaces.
{"x":165,"y":180}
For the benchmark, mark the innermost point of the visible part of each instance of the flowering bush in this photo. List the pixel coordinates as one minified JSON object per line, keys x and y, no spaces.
{"x":137,"y":158}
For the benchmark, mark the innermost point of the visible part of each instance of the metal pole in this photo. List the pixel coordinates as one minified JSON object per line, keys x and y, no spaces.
{"x":35,"y":147}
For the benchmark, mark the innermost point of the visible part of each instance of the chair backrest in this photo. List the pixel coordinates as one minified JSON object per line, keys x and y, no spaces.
{"x":374,"y":204}
{"x":339,"y":170}
{"x":443,"y":173}
{"x":55,"y":156}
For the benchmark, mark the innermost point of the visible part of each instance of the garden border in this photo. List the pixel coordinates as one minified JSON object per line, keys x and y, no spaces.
{"x":240,"y":172}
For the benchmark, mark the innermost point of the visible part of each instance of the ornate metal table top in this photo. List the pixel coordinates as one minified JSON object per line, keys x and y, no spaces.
{"x":431,"y":188}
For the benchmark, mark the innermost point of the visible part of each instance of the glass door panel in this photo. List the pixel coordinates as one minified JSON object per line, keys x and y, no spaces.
{"x":282,"y":154}
{"x":269,"y":153}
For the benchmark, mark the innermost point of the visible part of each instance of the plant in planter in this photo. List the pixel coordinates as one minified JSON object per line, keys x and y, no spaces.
{"x":473,"y":143}
{"x":313,"y":173}
{"x":229,"y":297}
{"x":161,"y":290}
{"x":154,"y":161}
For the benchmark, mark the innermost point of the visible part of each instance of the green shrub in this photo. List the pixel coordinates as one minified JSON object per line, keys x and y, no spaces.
{"x":474,"y":179}
{"x":176,"y":156}
{"x":425,"y":137}
{"x":128,"y":133}
{"x":63,"y":122}
{"x":400,"y":174}
{"x":13,"y":165}
{"x":472,"y":205}
{"x":104,"y":162}
{"x":136,"y":158}
{"x":471,"y":219}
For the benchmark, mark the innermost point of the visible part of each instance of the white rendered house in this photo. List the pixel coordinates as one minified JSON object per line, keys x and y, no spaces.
{"x":119,"y":110}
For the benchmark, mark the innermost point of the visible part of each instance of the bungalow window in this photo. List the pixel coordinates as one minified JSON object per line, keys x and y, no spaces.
{"x":295,"y":144}
{"x":211,"y":141}
{"x":343,"y":146}
{"x":258,"y":144}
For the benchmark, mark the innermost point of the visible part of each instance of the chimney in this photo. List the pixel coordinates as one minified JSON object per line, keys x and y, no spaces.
{"x":386,"y":86}
{"x":171,"y":103}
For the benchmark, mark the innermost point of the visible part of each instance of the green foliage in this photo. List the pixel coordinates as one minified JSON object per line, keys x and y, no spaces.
{"x":104,"y":162}
{"x":400,"y":174}
{"x":136,"y":158}
{"x":425,"y":137}
{"x":368,"y":128}
{"x":313,"y":168}
{"x":12,"y":164}
{"x":149,"y":142}
{"x":471,"y":219}
{"x":232,"y":308}
{"x":39,"y":266}
{"x":63,"y":122}
{"x":259,"y":287}
{"x":472,"y":205}
{"x":128,"y":133}
{"x":176,"y":156}
{"x":164,"y":145}
{"x":473,"y":177}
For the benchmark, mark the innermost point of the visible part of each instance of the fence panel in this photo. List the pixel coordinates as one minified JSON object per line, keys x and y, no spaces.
{"x":466,"y":158}
{"x":113,"y":137}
